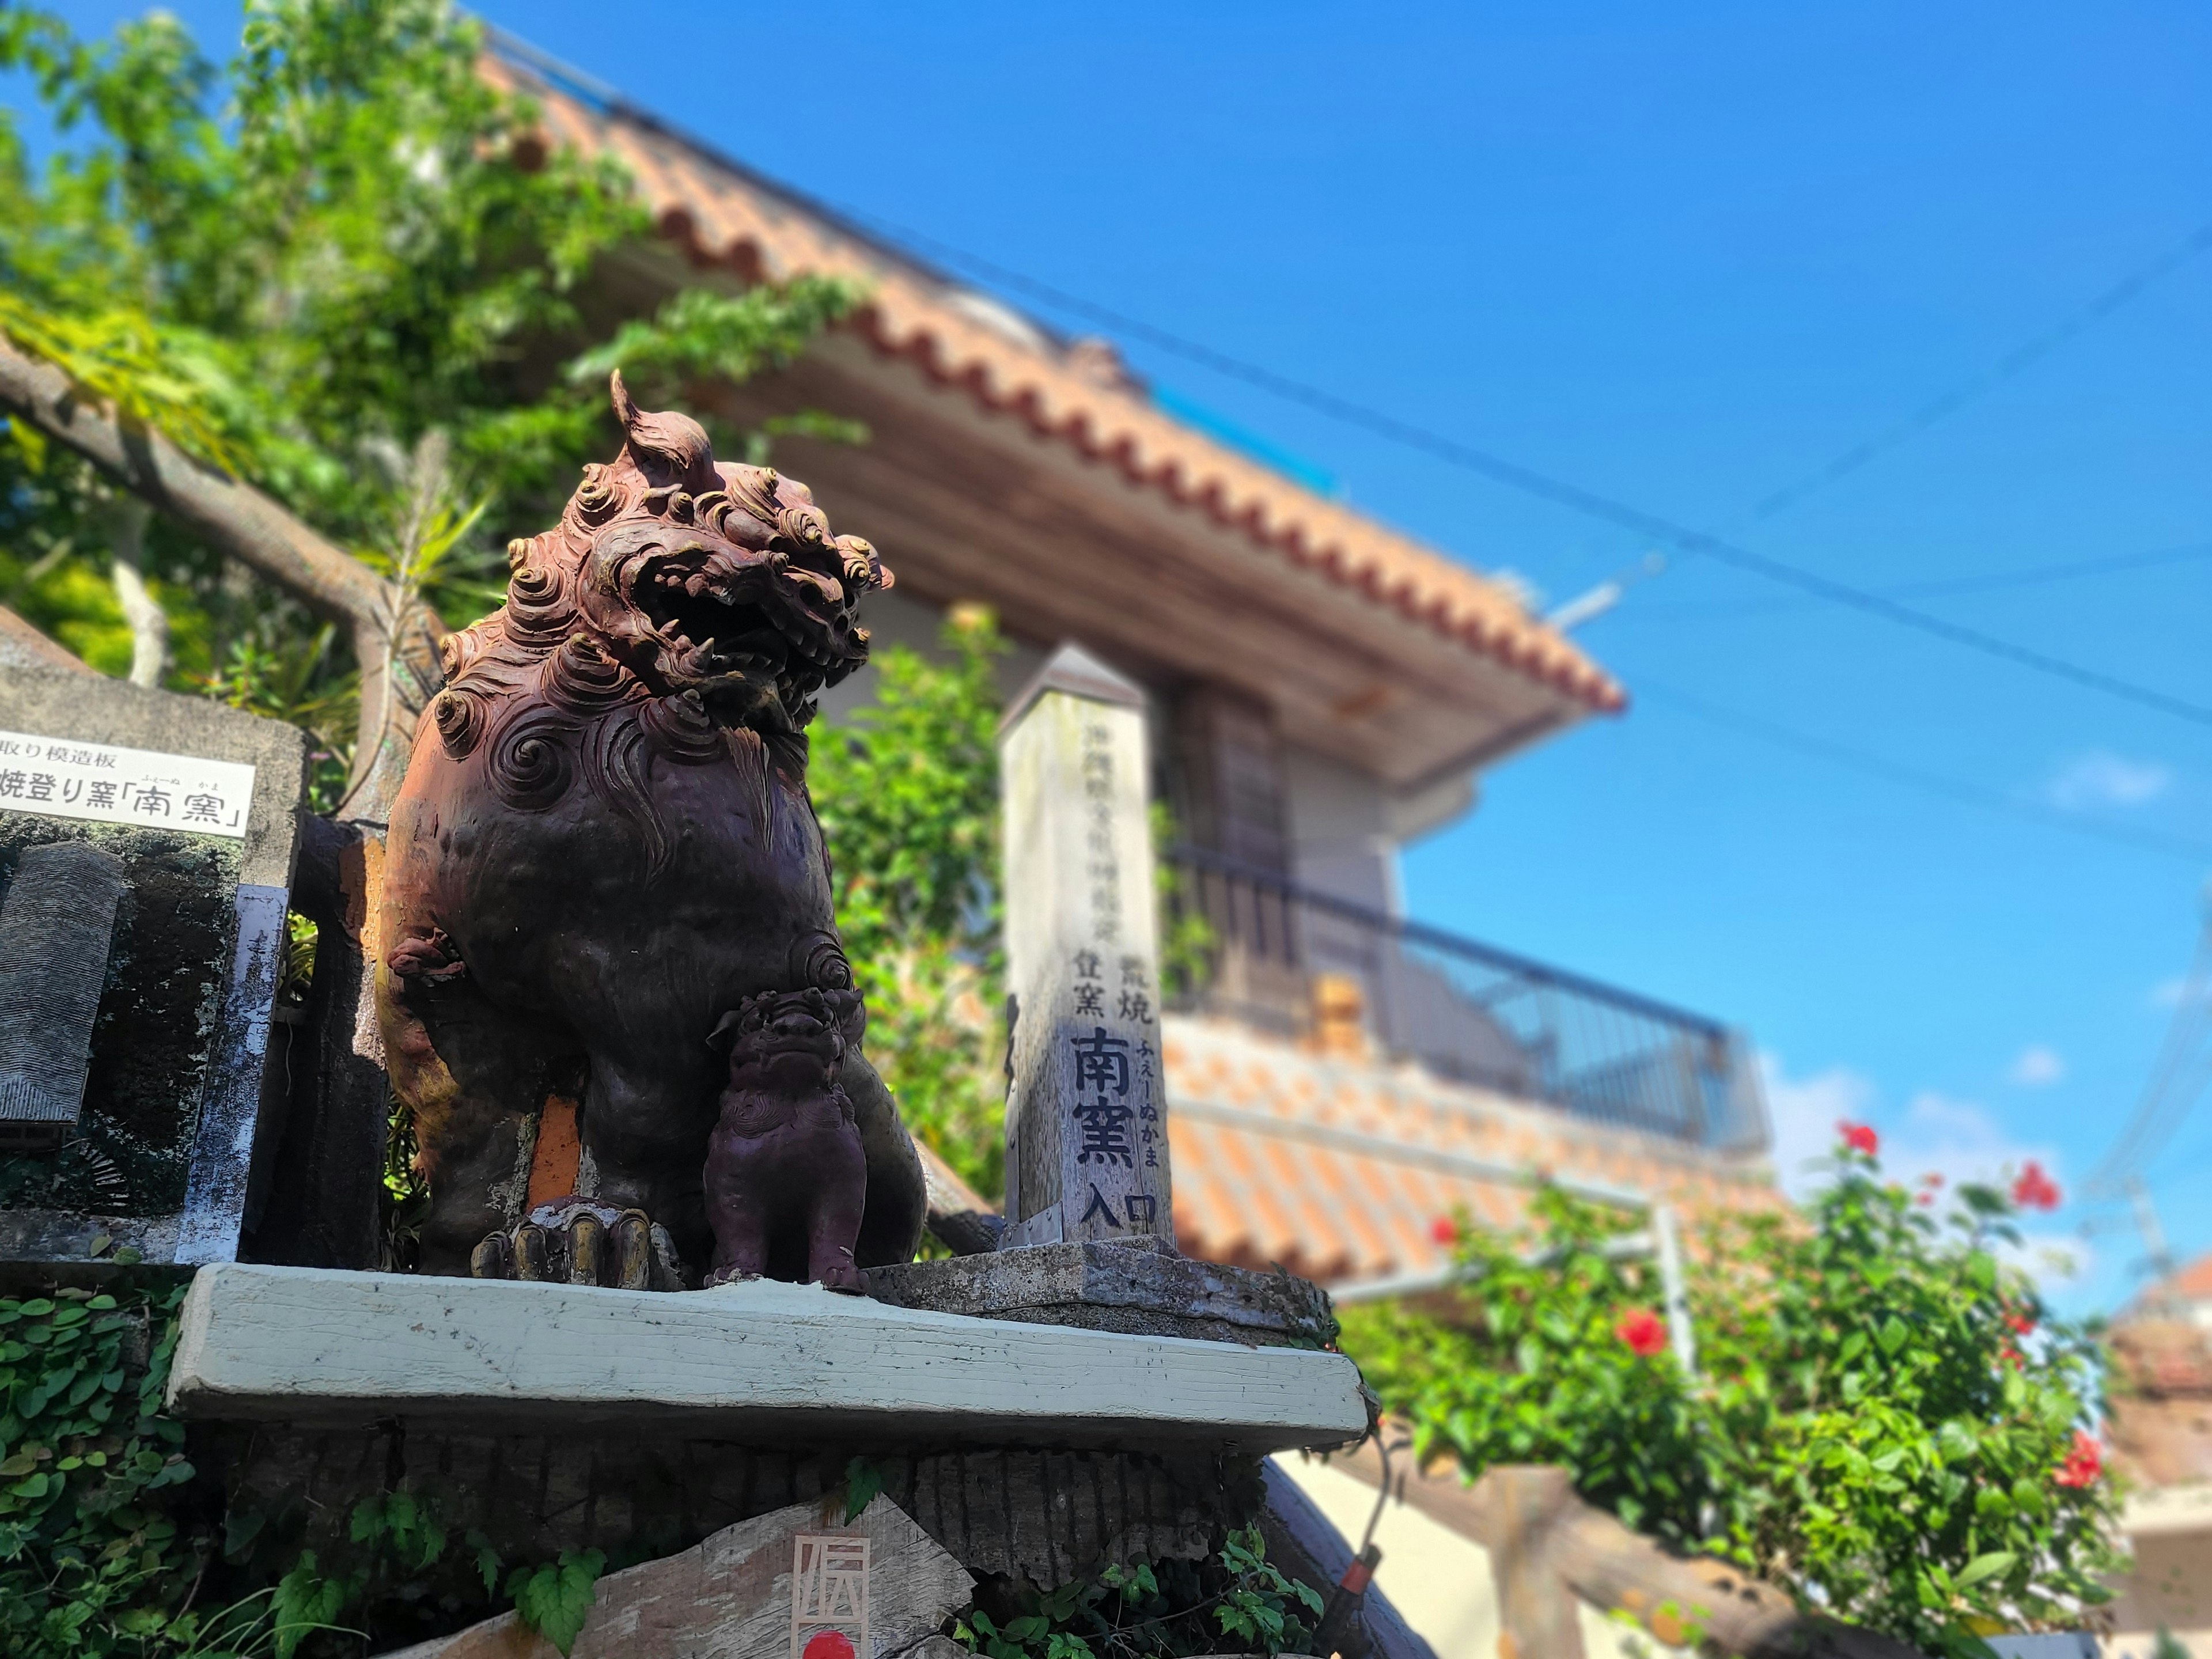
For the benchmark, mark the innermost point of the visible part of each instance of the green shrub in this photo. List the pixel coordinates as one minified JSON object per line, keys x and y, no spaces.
{"x":906,"y":789}
{"x":1885,"y":1420}
{"x":1155,"y":1610}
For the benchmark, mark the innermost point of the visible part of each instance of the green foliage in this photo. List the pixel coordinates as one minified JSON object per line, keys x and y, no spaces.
{"x":553,"y":1600}
{"x":326,"y":264}
{"x":1154,"y":1610}
{"x":908,"y":793}
{"x":107,"y":1550}
{"x":864,"y":1479}
{"x":304,"y":1603}
{"x":1873,"y":1427}
{"x":94,"y":1558}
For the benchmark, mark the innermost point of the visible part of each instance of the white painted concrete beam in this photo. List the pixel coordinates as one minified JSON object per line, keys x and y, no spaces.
{"x":783,"y":1362}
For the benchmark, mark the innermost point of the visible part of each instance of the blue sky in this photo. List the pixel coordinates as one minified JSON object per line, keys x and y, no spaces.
{"x":1680,"y":256}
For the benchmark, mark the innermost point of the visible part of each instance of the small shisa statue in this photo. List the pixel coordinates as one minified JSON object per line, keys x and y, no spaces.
{"x":604,"y":864}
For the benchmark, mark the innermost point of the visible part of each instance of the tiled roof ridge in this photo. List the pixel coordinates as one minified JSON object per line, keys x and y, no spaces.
{"x":721,"y":215}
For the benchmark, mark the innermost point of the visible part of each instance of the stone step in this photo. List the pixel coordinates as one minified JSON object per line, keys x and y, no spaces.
{"x":755,"y":1361}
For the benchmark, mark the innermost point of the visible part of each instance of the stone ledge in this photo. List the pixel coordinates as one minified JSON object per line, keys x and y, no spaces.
{"x":755,"y":1360}
{"x":1133,"y":1286}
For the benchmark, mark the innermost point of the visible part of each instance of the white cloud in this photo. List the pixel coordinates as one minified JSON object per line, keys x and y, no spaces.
{"x":1935,"y":1134}
{"x":2169,"y":993}
{"x":2101,"y":778}
{"x":1804,"y":1112}
{"x":2037,"y":1065}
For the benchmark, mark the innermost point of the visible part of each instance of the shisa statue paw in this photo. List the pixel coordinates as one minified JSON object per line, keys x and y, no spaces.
{"x":575,"y":1241}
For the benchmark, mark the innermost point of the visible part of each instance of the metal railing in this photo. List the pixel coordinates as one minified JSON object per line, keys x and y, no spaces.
{"x":1254,"y":946}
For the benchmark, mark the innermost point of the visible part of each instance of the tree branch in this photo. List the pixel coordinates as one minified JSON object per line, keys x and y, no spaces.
{"x":150,"y":624}
{"x":395,"y":635}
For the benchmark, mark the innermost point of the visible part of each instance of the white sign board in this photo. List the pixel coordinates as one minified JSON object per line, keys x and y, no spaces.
{"x":67,"y":778}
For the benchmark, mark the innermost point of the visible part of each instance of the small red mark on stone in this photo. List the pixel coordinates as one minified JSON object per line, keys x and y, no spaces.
{"x":827,"y":1645}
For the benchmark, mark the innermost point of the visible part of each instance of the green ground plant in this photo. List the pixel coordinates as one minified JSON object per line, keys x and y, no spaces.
{"x":1886,"y":1419}
{"x":906,"y":789}
{"x":111,"y":1546}
{"x":1156,"y":1610}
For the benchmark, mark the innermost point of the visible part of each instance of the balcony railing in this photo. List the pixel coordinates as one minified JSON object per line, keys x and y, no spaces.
{"x":1251,"y":945}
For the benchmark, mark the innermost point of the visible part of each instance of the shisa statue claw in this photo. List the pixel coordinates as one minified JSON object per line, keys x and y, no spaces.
{"x":604,"y":845}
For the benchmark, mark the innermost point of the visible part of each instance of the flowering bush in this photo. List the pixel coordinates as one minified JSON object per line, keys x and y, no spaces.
{"x":1644,"y":1333}
{"x":1885,"y":1420}
{"x":2032,"y":1189}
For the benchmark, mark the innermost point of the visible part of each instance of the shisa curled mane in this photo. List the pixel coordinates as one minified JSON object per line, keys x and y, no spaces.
{"x":572,"y":675}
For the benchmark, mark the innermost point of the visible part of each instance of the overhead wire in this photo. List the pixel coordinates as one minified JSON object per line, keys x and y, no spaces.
{"x":2020,"y":359}
{"x":1933,"y":783}
{"x":1948,"y":587}
{"x":1612,"y":510}
{"x":2178,"y":1078}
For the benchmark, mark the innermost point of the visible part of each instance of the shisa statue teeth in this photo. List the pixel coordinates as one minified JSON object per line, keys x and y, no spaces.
{"x":604,"y":853}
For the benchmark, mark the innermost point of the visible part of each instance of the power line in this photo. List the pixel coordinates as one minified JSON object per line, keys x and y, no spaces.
{"x":1590,"y":502}
{"x":1945,"y":587}
{"x":2014,"y":363}
{"x":1932,"y":783}
{"x":2178,"y":1078}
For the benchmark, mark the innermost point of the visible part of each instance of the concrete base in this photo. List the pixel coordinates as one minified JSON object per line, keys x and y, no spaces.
{"x":1137,"y":1286}
{"x":759,"y":1361}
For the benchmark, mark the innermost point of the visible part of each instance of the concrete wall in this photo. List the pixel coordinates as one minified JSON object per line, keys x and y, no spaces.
{"x":1340,"y":839}
{"x":1344,"y":830}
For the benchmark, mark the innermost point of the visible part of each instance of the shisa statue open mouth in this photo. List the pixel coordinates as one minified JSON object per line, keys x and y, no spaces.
{"x":711,"y":595}
{"x":604,"y":845}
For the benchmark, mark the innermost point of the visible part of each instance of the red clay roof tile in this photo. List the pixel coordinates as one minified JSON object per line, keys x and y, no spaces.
{"x":721,"y":217}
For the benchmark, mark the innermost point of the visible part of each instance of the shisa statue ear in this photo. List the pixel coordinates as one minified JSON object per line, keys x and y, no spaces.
{"x":724,"y":1033}
{"x":667,"y":448}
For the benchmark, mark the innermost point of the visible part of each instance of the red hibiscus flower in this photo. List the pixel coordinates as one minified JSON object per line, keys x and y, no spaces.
{"x":1859,"y":1137}
{"x":2021,"y":1324}
{"x":1445,"y":1230}
{"x":2034,"y":1190}
{"x":1931,"y":1179}
{"x":1643,"y":1331}
{"x":2084,"y":1463}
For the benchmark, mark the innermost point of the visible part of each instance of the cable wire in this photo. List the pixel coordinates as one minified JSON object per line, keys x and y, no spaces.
{"x":2182,"y":1058}
{"x":1948,"y":586}
{"x":2022,"y":357}
{"x":1932,"y":783}
{"x":1610,"y":509}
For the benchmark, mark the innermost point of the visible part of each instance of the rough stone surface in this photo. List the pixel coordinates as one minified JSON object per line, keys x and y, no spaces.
{"x":1086,"y":1123}
{"x":55,"y":925}
{"x":273,"y":1344}
{"x":179,"y":1109}
{"x":1134,"y":1286}
{"x":730,"y":1596}
{"x":1043,"y":1516}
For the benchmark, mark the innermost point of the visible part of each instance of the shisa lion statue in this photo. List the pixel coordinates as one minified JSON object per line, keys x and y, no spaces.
{"x":604,"y":872}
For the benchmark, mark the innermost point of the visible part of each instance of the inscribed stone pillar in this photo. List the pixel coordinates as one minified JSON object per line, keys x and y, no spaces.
{"x":1086,"y":1128}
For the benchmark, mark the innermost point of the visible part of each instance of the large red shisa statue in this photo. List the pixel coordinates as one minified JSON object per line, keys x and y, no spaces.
{"x":603,"y":870}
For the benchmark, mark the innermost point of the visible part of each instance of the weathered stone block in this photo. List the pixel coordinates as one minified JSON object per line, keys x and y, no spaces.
{"x":199,"y":805}
{"x":796,"y":1361}
{"x":1135,"y":1286}
{"x":1044,"y":1515}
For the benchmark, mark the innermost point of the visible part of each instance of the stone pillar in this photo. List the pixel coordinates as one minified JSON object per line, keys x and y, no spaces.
{"x":1086,"y":1111}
